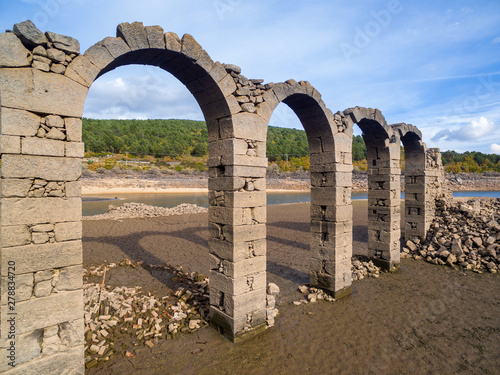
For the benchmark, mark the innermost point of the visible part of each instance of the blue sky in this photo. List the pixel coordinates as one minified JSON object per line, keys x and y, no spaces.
{"x":434,"y":64}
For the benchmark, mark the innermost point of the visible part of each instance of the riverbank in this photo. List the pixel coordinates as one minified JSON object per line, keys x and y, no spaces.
{"x":423,"y":319}
{"x":135,"y":182}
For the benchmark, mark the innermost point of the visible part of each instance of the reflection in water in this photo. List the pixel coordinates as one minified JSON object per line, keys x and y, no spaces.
{"x":94,"y":205}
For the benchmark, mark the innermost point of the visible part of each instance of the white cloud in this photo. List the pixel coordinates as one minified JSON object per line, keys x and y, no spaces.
{"x":474,"y":130}
{"x":496,"y":40}
{"x":495,"y":148}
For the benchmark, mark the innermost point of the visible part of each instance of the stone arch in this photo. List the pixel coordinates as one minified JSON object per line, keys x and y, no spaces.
{"x":42,"y":104}
{"x":331,"y":212}
{"x":384,"y":191}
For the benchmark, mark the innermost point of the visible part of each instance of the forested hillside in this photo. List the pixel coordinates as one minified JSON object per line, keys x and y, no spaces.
{"x":175,"y":138}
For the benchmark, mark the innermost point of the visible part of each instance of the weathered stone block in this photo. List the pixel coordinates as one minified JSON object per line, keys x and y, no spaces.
{"x":242,"y":171}
{"x":330,"y":196}
{"x":12,"y":52}
{"x":331,"y":179}
{"x":239,"y":285}
{"x":16,"y":211}
{"x":10,"y":144}
{"x":28,"y":33}
{"x":32,"y":258}
{"x":71,"y":361}
{"x":75,"y":149}
{"x":27,"y":348}
{"x":329,"y":253}
{"x":246,"y":303}
{"x":41,"y":146}
{"x":73,"y":129}
{"x":68,"y":231}
{"x":36,"y":91}
{"x":116,"y":46}
{"x":46,"y":311}
{"x":235,"y":234}
{"x":243,"y":125}
{"x":17,"y":235}
{"x":99,"y":55}
{"x":63,"y":42}
{"x":235,"y":252}
{"x":134,"y":34}
{"x":226,"y":183}
{"x":237,"y":216}
{"x":237,"y":328}
{"x":18,"y":122}
{"x":69,"y":278}
{"x":331,"y":213}
{"x":246,"y":199}
{"x":81,"y":70}
{"x":45,"y":167}
{"x":331,"y":167}
{"x":73,"y":189}
{"x":155,"y":36}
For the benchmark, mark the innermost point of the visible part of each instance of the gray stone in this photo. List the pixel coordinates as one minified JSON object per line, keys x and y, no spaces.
{"x":115,"y":46}
{"x":58,"y":68}
{"x":17,"y":235}
{"x":43,"y":289}
{"x":100,"y":56}
{"x":44,"y":167}
{"x":55,"y":133}
{"x":18,"y":122}
{"x":68,"y":231}
{"x":39,"y":237}
{"x":133,"y":34}
{"x":27,"y":348}
{"x":10,"y":144}
{"x":15,"y":187}
{"x":12,"y":52}
{"x":63,"y":42}
{"x":36,"y":91}
{"x":56,"y":55}
{"x":155,"y":37}
{"x":44,"y":67}
{"x":41,"y":59}
{"x":54,"y":121}
{"x":40,"y":51}
{"x":42,"y":228}
{"x":232,"y":68}
{"x":273,"y":289}
{"x":33,"y":258}
{"x":69,"y":278}
{"x":75,"y":149}
{"x":16,"y":211}
{"x":29,"y":34}
{"x":40,"y":146}
{"x":172,"y":42}
{"x":81,"y":70}
{"x":73,"y":129}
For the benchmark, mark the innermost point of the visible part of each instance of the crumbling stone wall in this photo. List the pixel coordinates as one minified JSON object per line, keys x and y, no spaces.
{"x":44,"y":81}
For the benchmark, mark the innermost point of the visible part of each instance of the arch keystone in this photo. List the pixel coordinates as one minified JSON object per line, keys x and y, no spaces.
{"x":133,"y":34}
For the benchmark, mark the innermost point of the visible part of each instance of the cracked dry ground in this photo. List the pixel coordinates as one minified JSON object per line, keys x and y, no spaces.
{"x":425,"y":319}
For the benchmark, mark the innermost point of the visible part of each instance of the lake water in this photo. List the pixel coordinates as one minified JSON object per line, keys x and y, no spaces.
{"x":98,"y":204}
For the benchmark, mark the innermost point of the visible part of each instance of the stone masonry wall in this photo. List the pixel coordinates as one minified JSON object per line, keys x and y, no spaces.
{"x":41,"y":257}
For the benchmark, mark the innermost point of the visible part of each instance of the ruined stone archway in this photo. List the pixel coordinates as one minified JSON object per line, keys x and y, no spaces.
{"x":331,"y":211}
{"x":42,"y":98}
{"x":41,"y":112}
{"x":384,"y":190}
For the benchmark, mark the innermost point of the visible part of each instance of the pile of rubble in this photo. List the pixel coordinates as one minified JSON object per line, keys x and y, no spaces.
{"x":362,"y":268}
{"x":131,"y":210}
{"x":313,"y":295}
{"x":112,"y":313}
{"x":464,"y":234}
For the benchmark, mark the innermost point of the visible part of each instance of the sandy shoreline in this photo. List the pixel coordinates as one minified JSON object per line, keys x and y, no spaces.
{"x":179,"y":184}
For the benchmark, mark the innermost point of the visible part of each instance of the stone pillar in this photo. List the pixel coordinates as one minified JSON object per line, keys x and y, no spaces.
{"x":41,"y":250}
{"x":237,"y":217}
{"x":331,"y":212}
{"x":384,"y":200}
{"x":417,"y":217}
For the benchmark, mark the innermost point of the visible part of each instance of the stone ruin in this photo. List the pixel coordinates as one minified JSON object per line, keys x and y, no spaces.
{"x":44,"y":81}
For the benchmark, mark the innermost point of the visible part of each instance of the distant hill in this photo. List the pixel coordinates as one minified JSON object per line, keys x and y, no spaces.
{"x":175,"y":138}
